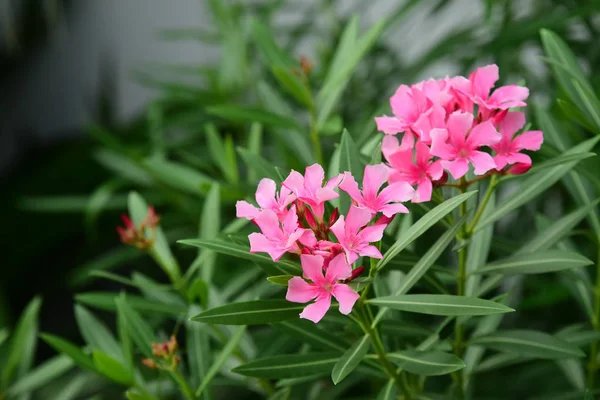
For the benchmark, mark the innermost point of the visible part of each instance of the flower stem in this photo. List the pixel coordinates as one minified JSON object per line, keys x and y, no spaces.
{"x":593,"y":363}
{"x":484,"y":202}
{"x":187,"y":391}
{"x":314,"y":137}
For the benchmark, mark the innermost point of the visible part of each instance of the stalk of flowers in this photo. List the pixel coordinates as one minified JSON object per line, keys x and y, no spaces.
{"x":295,"y":221}
{"x":453,"y":123}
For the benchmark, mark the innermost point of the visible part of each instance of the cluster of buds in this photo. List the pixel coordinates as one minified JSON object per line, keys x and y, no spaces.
{"x":141,"y":236}
{"x":166,"y":359}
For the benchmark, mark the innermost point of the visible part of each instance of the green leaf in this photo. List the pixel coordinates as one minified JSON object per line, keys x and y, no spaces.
{"x":70,"y":350}
{"x":350,"y":360}
{"x":427,"y":363}
{"x":528,"y":343}
{"x":124,"y":339}
{"x":220,"y":360}
{"x":210,"y":225}
{"x":553,"y":162}
{"x":536,"y":184}
{"x":139,"y":330}
{"x":251,"y":313}
{"x":281,"y":280}
{"x":106,"y":301}
{"x":199,"y":353}
{"x":536,"y":263}
{"x":222,"y":153}
{"x":310,"y":333}
{"x":388,"y":391}
{"x":289,"y":366}
{"x":41,"y":375}
{"x":246,"y":114}
{"x":422,"y":225}
{"x":426,"y":261}
{"x":4,"y":334}
{"x":262,"y":167}
{"x":95,"y":333}
{"x":479,"y":249}
{"x":235,"y":250}
{"x":349,"y":161}
{"x":22,"y":344}
{"x":265,"y":41}
{"x":135,"y":395}
{"x":441,"y":304}
{"x":294,"y":85}
{"x":112,"y":368}
{"x":179,"y":176}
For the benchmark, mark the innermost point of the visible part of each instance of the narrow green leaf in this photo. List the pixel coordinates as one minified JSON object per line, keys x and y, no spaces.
{"x":199,"y":353}
{"x":235,"y":250}
{"x":310,"y":333}
{"x":537,"y":184}
{"x":388,"y":391}
{"x":349,"y":160}
{"x":262,"y":167}
{"x":294,"y":85}
{"x":125,"y":339}
{"x":4,"y":334}
{"x":135,"y":395}
{"x":425,"y":262}
{"x":220,"y":360}
{"x":112,"y":368}
{"x":281,"y":280}
{"x":536,"y":263}
{"x":70,"y":350}
{"x":106,"y":301}
{"x":553,"y":162}
{"x":289,"y":366}
{"x":139,"y":330}
{"x":179,"y":176}
{"x":441,"y":304}
{"x":95,"y":333}
{"x":422,"y":225}
{"x":350,"y":360}
{"x":427,"y":363}
{"x":265,"y":41}
{"x":479,"y":250}
{"x":220,"y":152}
{"x":528,"y":343}
{"x":210,"y":225}
{"x":41,"y":375}
{"x":251,"y":313}
{"x":246,"y":114}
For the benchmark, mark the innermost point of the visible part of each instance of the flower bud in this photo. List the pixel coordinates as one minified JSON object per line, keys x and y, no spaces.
{"x":518,"y":169}
{"x":334,"y":216}
{"x":356,"y":273}
{"x":150,"y":363}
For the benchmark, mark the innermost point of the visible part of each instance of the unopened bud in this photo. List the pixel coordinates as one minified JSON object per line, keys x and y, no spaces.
{"x":356,"y":273}
{"x":334,"y":216}
{"x":306,"y":65}
{"x":310,"y":219}
{"x":518,"y":169}
{"x":172,"y":344}
{"x":150,"y":363}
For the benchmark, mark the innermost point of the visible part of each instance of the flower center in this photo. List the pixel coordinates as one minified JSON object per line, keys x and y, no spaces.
{"x":328,"y":287}
{"x":463,"y":153}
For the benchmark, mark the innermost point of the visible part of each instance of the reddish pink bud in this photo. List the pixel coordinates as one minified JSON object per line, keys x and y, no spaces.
{"x":127,"y":221}
{"x":356,"y":273}
{"x":334,"y":216}
{"x":310,"y":219}
{"x":442,"y":180}
{"x":518,"y":169}
{"x":305,"y":250}
{"x":150,"y":363}
{"x":496,"y":119}
{"x":383,"y":220}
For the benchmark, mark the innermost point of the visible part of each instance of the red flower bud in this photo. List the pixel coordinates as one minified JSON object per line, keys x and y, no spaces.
{"x":356,"y":273}
{"x":334,"y":216}
{"x":310,"y":219}
{"x":518,"y":169}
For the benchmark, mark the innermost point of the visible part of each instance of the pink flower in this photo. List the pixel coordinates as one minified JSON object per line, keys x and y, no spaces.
{"x":354,"y":240}
{"x":508,"y":148}
{"x":421,"y":171}
{"x":458,"y":144}
{"x":309,"y":188}
{"x":387,"y":201}
{"x":481,"y":82}
{"x":278,"y":238}
{"x":267,"y":199}
{"x":322,"y":287}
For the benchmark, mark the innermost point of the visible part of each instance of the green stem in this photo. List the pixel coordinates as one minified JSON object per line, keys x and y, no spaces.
{"x":593,"y":363}
{"x":183,"y":384}
{"x":484,"y":202}
{"x":314,"y":137}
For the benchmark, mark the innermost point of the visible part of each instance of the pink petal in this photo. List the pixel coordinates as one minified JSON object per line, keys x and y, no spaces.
{"x":294,"y":182}
{"x":338,"y":269}
{"x":511,"y":124}
{"x":325,"y":194}
{"x":402,"y":103}
{"x":530,"y":140}
{"x":483,"y":134}
{"x":375,"y":176}
{"x":457,"y":168}
{"x":317,"y":310}
{"x":290,"y":221}
{"x":389,"y":145}
{"x":339,"y":229}
{"x":390,"y":125}
{"x":260,"y":244}
{"x":265,"y":193}
{"x":350,"y":186}
{"x":370,"y":251}
{"x":372,"y":233}
{"x":408,"y":141}
{"x":439,"y":147}
{"x":313,"y":178}
{"x":268,"y":223}
{"x":351,"y":256}
{"x":482,"y":162}
{"x":346,"y":297}
{"x":458,"y":125}
{"x":299,"y":291}
{"x":243,"y":209}
{"x":483,"y":80}
{"x":335,"y":181}
{"x":356,"y":219}
{"x":423,"y":192}
{"x":402,"y":160}
{"x":422,"y":154}
{"x":392,"y":209}
{"x":509,"y":96}
{"x":518,"y":158}
{"x":396,"y":192}
{"x":308,"y":238}
{"x":312,"y":267}
{"x":435,"y":170}
{"x":500,"y":161}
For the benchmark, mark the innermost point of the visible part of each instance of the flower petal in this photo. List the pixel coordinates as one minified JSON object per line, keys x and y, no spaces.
{"x":390,"y":125}
{"x":530,"y":140}
{"x":458,"y":125}
{"x":374,"y":177}
{"x":372,"y":233}
{"x":268,"y":223}
{"x":317,"y":310}
{"x":265,"y":193}
{"x":370,"y":251}
{"x":483,"y":80}
{"x":350,"y":186}
{"x":390,"y":210}
{"x":295,"y":182}
{"x":313,"y":178}
{"x":300,"y":291}
{"x":509,"y":96}
{"x":482,"y":162}
{"x":346,"y":297}
{"x":457,"y":168}
{"x":389,"y":145}
{"x":312,"y":267}
{"x":259,"y":243}
{"x":439,"y":147}
{"x":423,"y":192}
{"x":483,"y":134}
{"x":396,"y":192}
{"x":243,"y":209}
{"x":511,"y":124}
{"x":338,"y":269}
{"x":356,"y":219}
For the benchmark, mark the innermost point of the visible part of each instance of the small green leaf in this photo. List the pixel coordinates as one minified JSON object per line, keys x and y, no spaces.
{"x":349,"y":161}
{"x":528,"y":343}
{"x":135,"y":395}
{"x":247,"y":114}
{"x":222,"y":153}
{"x":536,"y":263}
{"x":41,"y":375}
{"x":422,"y":225}
{"x":139,"y":330}
{"x":310,"y":333}
{"x":179,"y":176}
{"x":199,"y":354}
{"x":262,"y":167}
{"x":441,"y":304}
{"x":251,"y":313}
{"x":388,"y":391}
{"x":220,"y":360}
{"x":70,"y":350}
{"x":106,"y":301}
{"x":350,"y":360}
{"x":427,"y":363}
{"x":210,"y":225}
{"x":95,"y":333}
{"x":294,"y":85}
{"x":281,"y":280}
{"x":289,"y":366}
{"x":265,"y":41}
{"x":112,"y":368}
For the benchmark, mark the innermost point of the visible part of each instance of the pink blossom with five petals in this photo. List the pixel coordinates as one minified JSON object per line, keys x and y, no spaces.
{"x":354,"y":240}
{"x":387,"y":201}
{"x":310,"y":190}
{"x":267,"y":198}
{"x":509,"y":147}
{"x":458,"y":145}
{"x":322,"y":287}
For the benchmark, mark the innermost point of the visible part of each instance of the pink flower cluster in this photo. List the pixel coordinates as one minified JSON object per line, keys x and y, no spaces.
{"x":293,"y":221}
{"x":447,"y":125}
